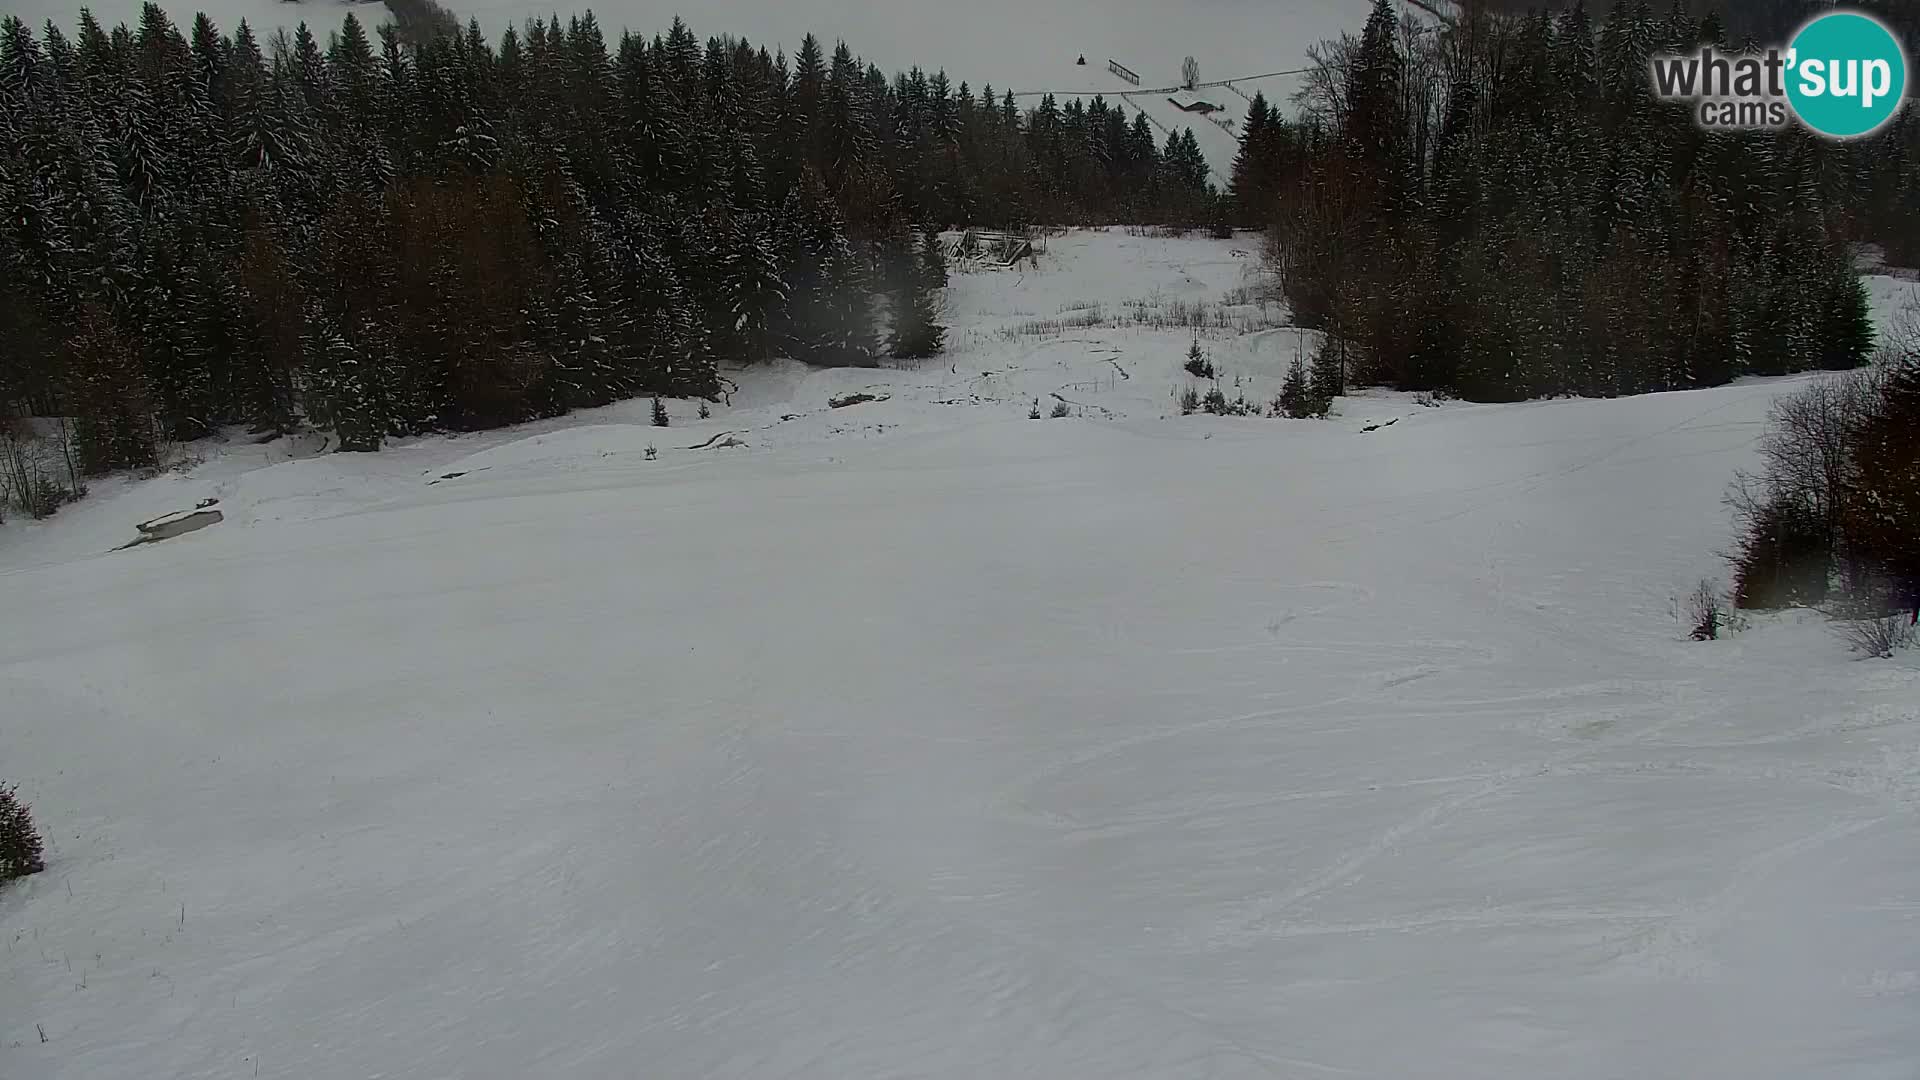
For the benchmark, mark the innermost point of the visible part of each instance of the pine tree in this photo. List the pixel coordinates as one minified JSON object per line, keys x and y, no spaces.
{"x":917,"y":332}
{"x":21,"y":853}
{"x":111,"y":401}
{"x":1375,"y":128}
{"x":1197,"y":364}
{"x":1296,"y":397}
{"x":1329,"y":374}
{"x":660,"y":417}
{"x":1250,"y":186}
{"x":348,"y":383}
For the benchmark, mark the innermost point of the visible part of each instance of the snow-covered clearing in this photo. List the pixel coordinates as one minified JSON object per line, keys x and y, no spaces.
{"x":917,"y":738}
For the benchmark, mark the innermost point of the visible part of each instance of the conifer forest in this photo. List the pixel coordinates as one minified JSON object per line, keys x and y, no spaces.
{"x":425,"y":228}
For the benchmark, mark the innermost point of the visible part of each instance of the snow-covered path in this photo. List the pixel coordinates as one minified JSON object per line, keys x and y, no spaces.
{"x":981,"y":747}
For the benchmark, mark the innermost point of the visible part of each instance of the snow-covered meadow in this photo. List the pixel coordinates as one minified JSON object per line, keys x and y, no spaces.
{"x":918,"y":738}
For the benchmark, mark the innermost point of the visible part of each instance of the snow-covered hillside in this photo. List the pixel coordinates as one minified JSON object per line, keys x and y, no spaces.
{"x":917,"y":738}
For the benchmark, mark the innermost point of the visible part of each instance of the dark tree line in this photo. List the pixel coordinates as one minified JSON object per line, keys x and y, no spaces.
{"x":1502,"y":209}
{"x":423,"y":229}
{"x":1765,"y":22}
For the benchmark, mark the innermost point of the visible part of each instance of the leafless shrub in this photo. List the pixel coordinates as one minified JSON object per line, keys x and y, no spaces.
{"x":38,"y":475}
{"x":1705,"y":612}
{"x":1790,"y":511}
{"x":1074,"y":320}
{"x":1877,"y":637}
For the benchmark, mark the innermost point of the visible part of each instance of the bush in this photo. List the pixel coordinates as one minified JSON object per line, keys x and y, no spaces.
{"x":705,"y":413}
{"x":19,"y":844}
{"x":1877,"y":637}
{"x":1189,"y":401}
{"x":1784,"y":559}
{"x":1060,"y":410}
{"x":1704,"y":611}
{"x":1836,"y":507}
{"x":26,"y":482}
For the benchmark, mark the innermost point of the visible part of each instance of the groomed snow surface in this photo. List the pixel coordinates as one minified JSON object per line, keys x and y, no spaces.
{"x":920,"y":739}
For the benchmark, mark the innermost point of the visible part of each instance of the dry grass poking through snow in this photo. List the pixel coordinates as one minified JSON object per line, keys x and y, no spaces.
{"x":1237,"y":312}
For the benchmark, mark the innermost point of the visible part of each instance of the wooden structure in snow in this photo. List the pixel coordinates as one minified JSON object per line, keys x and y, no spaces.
{"x":1123,"y":71}
{"x":180,"y":522}
{"x":995,"y":250}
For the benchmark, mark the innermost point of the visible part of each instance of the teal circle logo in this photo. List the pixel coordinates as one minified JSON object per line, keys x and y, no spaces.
{"x":1847,"y":75}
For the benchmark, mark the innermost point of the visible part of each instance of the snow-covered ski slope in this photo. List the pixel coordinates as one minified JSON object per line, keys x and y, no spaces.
{"x":917,"y":738}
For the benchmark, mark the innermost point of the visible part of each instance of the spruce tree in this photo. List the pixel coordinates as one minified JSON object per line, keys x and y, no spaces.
{"x":110,"y":397}
{"x":1251,"y":186}
{"x":1296,"y":397}
{"x":1845,"y":333}
{"x":21,"y":852}
{"x":916,"y":331}
{"x":1329,"y":373}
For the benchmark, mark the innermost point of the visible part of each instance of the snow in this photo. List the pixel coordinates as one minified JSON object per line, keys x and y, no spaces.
{"x":919,"y":738}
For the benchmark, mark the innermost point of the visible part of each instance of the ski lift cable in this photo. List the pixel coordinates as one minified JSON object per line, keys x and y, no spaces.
{"x":1162,"y":89}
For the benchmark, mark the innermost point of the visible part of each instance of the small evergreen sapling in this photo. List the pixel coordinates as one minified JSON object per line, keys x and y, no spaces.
{"x":1295,"y":396}
{"x":1329,"y":379}
{"x":20,"y":850}
{"x":1060,"y":410}
{"x":660,"y":417}
{"x":1197,"y":364}
{"x":705,"y":413}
